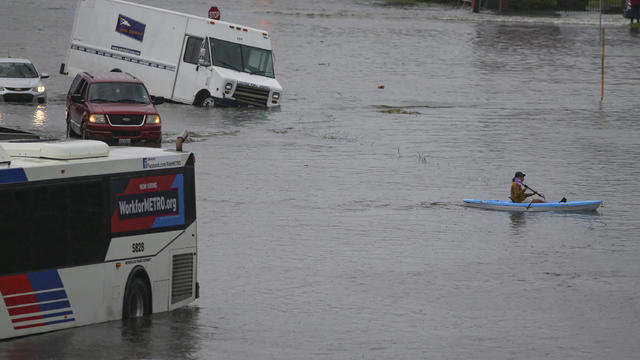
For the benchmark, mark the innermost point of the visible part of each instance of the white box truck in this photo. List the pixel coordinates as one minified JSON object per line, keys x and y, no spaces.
{"x":181,"y":57}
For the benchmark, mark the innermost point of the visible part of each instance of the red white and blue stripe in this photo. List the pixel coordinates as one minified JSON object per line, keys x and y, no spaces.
{"x":36,"y":299}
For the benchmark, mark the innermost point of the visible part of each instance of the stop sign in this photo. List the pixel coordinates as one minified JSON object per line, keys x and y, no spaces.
{"x":214,"y":13}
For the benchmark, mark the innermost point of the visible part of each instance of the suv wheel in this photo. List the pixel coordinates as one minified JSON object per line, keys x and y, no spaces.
{"x":70,"y":132}
{"x":83,"y":131}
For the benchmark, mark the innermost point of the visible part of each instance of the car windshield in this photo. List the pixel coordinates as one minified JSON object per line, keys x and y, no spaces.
{"x":17,"y":70}
{"x":243,"y":58}
{"x":118,"y":92}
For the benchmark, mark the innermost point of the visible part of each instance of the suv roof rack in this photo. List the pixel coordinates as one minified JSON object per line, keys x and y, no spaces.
{"x":88,"y":74}
{"x":128,"y":73}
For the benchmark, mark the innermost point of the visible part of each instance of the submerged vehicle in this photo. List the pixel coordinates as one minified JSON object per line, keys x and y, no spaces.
{"x":181,"y":57}
{"x":508,"y":205}
{"x":113,"y":107}
{"x":21,"y":82}
{"x":92,"y":233}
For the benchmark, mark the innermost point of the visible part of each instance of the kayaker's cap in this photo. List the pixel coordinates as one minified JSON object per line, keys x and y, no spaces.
{"x":519,"y":174}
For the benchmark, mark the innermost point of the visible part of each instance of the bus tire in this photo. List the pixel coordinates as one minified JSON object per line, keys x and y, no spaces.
{"x":137,"y":298}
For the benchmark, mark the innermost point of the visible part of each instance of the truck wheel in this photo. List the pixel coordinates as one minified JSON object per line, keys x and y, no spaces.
{"x":137,"y":299}
{"x":83,"y":131}
{"x":208,"y":102}
{"x":204,"y":99}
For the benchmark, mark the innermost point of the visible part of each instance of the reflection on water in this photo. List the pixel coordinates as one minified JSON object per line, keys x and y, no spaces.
{"x":150,"y":337}
{"x":40,"y":116}
{"x":517,"y":221}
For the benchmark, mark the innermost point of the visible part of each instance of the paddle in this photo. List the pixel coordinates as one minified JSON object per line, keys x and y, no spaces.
{"x":535,"y":192}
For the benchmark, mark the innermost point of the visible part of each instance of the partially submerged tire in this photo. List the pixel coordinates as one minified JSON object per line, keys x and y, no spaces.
{"x":137,"y":298}
{"x":204,"y":99}
{"x":83,"y":131}
{"x":208,"y":102}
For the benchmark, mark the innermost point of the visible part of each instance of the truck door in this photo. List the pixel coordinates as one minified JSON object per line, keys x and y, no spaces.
{"x":194,"y":70}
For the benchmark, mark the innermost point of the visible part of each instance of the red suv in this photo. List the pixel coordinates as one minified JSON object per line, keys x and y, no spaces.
{"x":113,"y":107}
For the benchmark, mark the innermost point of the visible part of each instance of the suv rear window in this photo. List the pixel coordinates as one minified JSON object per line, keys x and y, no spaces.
{"x":118,"y":92}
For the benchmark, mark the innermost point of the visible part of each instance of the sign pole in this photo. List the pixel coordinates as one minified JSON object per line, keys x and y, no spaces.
{"x":602,"y":71}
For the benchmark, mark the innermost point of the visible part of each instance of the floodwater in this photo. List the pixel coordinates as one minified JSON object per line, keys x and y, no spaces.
{"x":330,"y":229}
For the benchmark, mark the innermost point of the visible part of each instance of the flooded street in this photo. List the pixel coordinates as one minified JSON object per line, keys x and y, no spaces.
{"x":332,"y":228}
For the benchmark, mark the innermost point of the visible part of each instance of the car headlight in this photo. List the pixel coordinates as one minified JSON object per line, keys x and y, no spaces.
{"x":96,"y":119}
{"x":39,"y":88}
{"x":153,"y":119}
{"x":228,"y":86}
{"x":1,"y":88}
{"x":275,"y":95}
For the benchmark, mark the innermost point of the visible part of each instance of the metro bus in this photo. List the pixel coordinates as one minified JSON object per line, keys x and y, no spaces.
{"x":90,"y":233}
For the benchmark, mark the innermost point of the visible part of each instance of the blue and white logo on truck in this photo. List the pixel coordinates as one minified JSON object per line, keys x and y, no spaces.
{"x":130,"y":27}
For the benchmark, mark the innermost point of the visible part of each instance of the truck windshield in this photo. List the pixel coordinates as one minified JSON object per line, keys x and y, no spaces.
{"x":118,"y":92}
{"x":243,"y":58}
{"x":17,"y":70}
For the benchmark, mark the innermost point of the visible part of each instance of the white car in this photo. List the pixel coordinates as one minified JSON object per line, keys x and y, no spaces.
{"x":20,"y":81}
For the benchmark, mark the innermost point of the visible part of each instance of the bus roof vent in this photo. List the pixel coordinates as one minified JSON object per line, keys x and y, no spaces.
{"x":62,"y":150}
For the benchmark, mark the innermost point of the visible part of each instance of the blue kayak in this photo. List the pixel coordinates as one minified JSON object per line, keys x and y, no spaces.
{"x":508,"y":205}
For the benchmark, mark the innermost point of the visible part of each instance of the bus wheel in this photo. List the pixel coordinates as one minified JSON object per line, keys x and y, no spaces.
{"x":137,"y":299}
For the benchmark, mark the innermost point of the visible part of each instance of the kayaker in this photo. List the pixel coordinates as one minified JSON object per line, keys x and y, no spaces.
{"x":518,"y":189}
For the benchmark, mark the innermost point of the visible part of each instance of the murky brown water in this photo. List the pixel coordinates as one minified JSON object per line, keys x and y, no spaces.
{"x":331,"y":230}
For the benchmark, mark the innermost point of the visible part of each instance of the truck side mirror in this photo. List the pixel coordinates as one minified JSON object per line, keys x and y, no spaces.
{"x":202,"y":58}
{"x":157,"y":100}
{"x":77,"y":98}
{"x":44,"y":76}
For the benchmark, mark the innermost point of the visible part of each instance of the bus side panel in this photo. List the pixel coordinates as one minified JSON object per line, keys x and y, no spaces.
{"x":47,"y":300}
{"x":86,"y":288}
{"x":183,"y":250}
{"x":151,"y":52}
{"x":161,"y":268}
